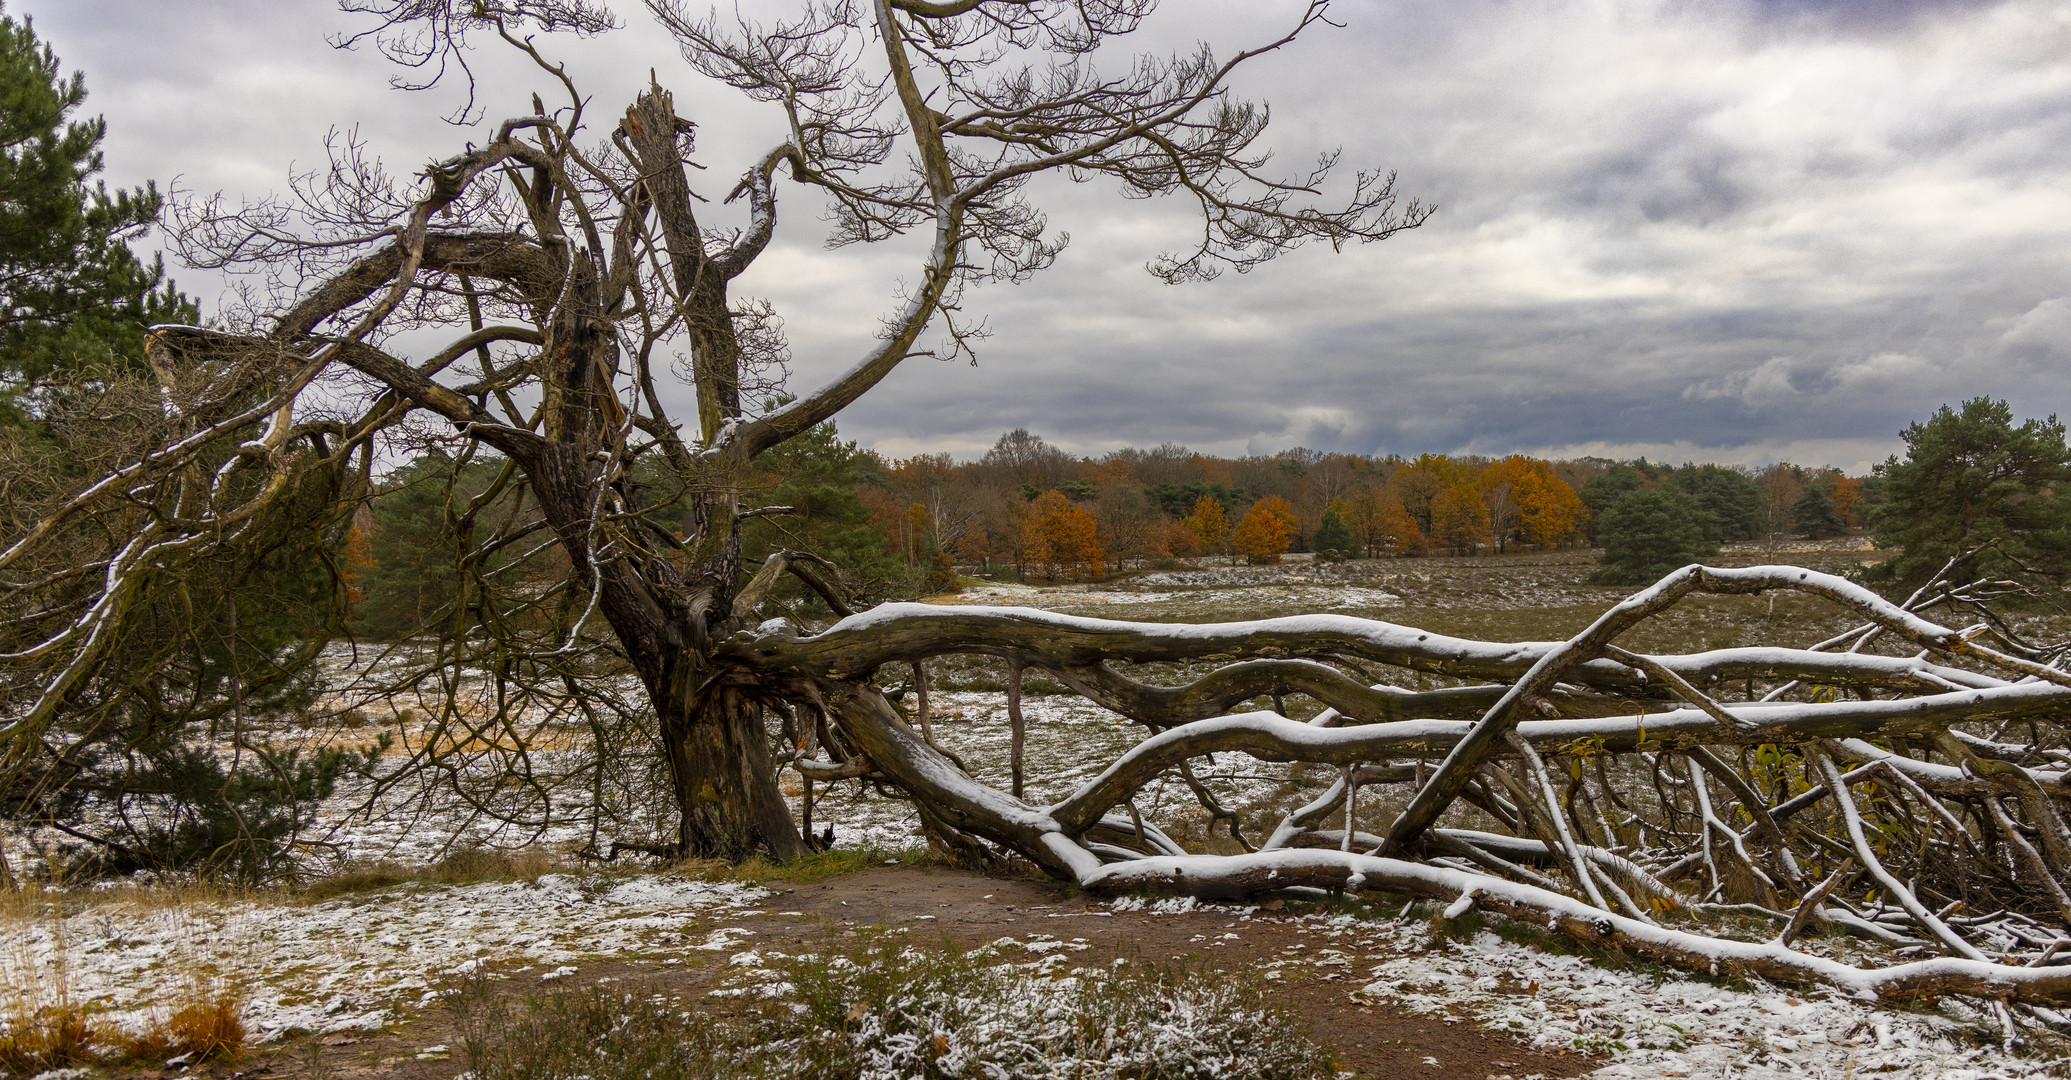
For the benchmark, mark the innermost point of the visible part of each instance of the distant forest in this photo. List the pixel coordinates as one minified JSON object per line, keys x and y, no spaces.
{"x":1027,"y":510}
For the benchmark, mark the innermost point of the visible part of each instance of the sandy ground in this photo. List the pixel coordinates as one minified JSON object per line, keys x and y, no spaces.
{"x":351,"y":986}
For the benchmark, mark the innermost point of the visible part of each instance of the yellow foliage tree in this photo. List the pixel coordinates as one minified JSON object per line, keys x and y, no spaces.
{"x":1062,"y":539}
{"x":1552,"y":513}
{"x":1210,"y":525}
{"x":1459,"y":519}
{"x":1265,"y":530}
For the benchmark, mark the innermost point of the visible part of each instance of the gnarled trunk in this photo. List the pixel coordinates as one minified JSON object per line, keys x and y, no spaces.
{"x":724,"y":781}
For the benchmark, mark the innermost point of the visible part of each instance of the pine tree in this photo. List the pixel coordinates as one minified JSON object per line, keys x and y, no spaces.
{"x":1647,"y":533}
{"x":1973,"y":480}
{"x":72,"y":294}
{"x":1815,"y":514}
{"x":1333,"y":538}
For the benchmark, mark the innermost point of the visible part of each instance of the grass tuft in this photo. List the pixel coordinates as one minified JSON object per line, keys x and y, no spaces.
{"x":464,"y":866}
{"x":819,"y":866}
{"x":52,"y":1037}
{"x":206,"y":1028}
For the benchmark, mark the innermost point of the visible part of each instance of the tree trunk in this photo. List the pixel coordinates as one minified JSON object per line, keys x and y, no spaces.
{"x":666,"y":619}
{"x":724,"y":782}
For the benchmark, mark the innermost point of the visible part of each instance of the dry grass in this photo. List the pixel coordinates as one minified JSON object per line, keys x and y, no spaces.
{"x":33,"y":900}
{"x":44,"y":1027}
{"x":462,"y":867}
{"x":51,"y":1037}
{"x":208,"y":1027}
{"x":884,"y":1007}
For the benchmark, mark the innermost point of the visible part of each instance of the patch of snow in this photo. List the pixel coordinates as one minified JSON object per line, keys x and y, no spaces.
{"x":348,"y":962}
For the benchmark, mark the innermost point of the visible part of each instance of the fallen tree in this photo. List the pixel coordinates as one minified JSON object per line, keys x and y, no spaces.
{"x":1665,"y":816}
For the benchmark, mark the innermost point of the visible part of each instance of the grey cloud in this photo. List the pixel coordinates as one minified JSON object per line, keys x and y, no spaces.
{"x":1740,"y":227}
{"x":1860,"y":16}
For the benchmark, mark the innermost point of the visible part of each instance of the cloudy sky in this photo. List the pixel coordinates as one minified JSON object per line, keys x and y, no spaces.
{"x":1738,"y":230}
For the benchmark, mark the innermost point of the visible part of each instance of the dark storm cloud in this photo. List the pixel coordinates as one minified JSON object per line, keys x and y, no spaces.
{"x":1860,"y":16}
{"x":1728,"y":229}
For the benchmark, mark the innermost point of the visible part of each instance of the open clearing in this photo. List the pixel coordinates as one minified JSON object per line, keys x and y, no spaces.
{"x":354,"y":984}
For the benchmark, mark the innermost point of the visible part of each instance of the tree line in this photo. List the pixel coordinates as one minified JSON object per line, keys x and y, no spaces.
{"x":1028,"y":510}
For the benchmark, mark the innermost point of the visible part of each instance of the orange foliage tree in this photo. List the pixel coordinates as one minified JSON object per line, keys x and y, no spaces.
{"x":1062,"y":539}
{"x":1547,"y":512}
{"x":1846,"y":492}
{"x":1180,"y":541}
{"x":1265,"y":530}
{"x":1382,"y":525}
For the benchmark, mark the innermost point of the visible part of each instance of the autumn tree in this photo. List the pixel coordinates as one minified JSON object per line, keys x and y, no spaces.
{"x":1062,"y":539}
{"x":1180,"y":542}
{"x":1131,"y":527}
{"x":1210,"y":525}
{"x":1383,"y":526}
{"x":1502,"y":484}
{"x":1419,"y":483}
{"x":1459,"y":518}
{"x":1552,"y":513}
{"x":1263,"y":534}
{"x":1847,"y":492}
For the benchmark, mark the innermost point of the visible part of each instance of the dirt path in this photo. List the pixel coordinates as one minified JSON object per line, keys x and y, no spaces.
{"x":936,"y":904}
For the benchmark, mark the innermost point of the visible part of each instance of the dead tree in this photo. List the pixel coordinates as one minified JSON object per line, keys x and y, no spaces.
{"x":1901,"y":816}
{"x":554,"y":268}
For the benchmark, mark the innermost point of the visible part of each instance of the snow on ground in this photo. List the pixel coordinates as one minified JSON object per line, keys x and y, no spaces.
{"x":1169,"y":593}
{"x":352,"y":962}
{"x":1069,"y":741}
{"x":1652,"y":1022}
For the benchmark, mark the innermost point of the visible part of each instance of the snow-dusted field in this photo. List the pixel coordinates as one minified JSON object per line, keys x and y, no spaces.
{"x":356,"y":961}
{"x":364,"y":960}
